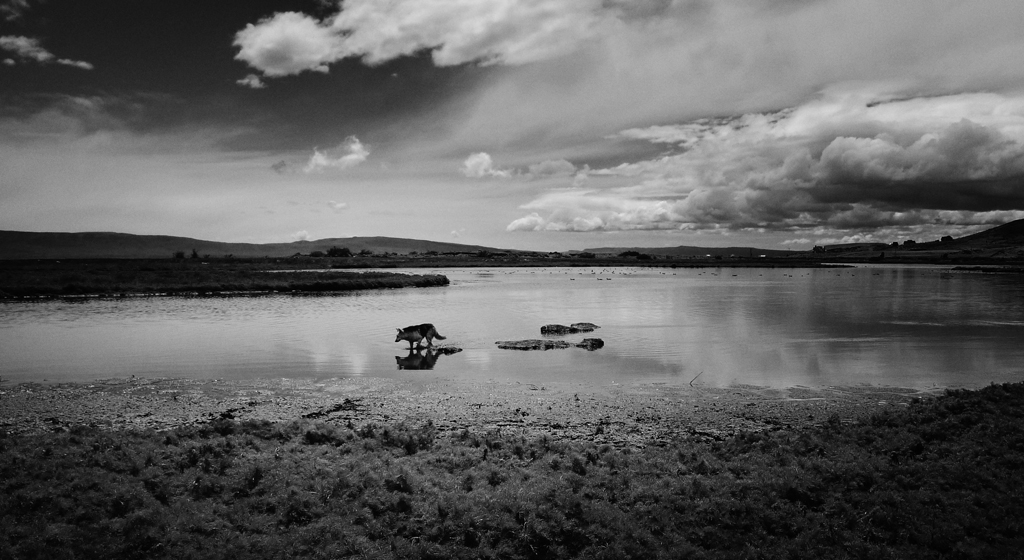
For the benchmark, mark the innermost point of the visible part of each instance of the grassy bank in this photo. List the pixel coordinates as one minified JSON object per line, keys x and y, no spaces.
{"x":942,"y":478}
{"x":187,"y":276}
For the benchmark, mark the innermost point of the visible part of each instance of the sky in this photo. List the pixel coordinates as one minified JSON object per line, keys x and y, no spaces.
{"x":544,"y":125}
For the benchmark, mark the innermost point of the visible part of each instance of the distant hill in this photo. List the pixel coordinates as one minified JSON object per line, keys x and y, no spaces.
{"x":1007,"y":235}
{"x":16,"y":245}
{"x":1002,"y":241}
{"x":687,"y":251}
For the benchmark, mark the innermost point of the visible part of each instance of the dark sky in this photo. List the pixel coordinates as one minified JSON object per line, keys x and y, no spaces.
{"x":173,"y":64}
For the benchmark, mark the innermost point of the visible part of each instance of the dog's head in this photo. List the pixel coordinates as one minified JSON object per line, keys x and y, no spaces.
{"x":399,"y":337}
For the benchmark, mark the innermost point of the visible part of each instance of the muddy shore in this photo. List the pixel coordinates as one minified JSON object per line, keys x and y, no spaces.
{"x":631,"y":416}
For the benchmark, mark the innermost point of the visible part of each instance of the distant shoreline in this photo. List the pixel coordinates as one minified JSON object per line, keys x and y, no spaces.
{"x":184,"y":278}
{"x":222,"y":277}
{"x":122,"y":278}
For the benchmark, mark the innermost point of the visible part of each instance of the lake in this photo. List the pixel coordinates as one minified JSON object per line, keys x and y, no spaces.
{"x":918,"y":327}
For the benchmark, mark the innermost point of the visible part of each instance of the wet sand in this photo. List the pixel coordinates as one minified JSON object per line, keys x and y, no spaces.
{"x":622,"y":416}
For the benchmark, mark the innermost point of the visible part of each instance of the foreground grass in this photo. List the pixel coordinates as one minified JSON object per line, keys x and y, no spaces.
{"x":942,"y":479}
{"x":188,"y":276}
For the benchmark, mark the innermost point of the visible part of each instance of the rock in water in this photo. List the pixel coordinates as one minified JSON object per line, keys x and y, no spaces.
{"x":536,"y":344}
{"x":591,"y":344}
{"x":571,"y":329}
{"x":532,"y":344}
{"x":584,"y":327}
{"x":555,"y":329}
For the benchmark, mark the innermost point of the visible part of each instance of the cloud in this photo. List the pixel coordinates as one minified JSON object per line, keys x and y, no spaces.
{"x":455,"y":32}
{"x":457,"y":233}
{"x":552,"y":168}
{"x":251,"y":81}
{"x":532,"y":222}
{"x":27,"y":48}
{"x":480,"y":165}
{"x":348,"y":154}
{"x":13,"y":9}
{"x":563,"y":70}
{"x":852,"y":159}
{"x":302,"y":235}
{"x":460,"y":31}
{"x":691,"y":59}
{"x":76,"y":63}
{"x":105,"y":124}
{"x":288,"y":43}
{"x":337,"y":206}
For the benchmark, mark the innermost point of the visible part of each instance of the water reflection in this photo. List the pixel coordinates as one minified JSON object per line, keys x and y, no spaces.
{"x":885,"y":326}
{"x":418,"y":359}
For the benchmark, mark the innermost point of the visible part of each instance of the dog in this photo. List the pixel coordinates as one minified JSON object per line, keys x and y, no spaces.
{"x":417,"y":333}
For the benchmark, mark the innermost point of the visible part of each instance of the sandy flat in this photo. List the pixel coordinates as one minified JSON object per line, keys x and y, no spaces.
{"x":634,"y":415}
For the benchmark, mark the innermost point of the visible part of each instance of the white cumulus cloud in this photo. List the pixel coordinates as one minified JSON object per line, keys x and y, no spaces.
{"x":348,"y":154}
{"x":288,"y":43}
{"x":481,"y":165}
{"x":849,"y":160}
{"x":454,"y":31}
{"x":251,"y":81}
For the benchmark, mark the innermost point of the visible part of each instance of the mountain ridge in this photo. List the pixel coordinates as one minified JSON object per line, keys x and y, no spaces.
{"x":20,"y":245}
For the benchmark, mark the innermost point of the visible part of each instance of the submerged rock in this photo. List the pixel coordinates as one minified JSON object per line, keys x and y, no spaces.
{"x":574,"y":328}
{"x":555,"y":329}
{"x":532,"y":344}
{"x":584,"y":327}
{"x":537,"y":344}
{"x":591,"y":344}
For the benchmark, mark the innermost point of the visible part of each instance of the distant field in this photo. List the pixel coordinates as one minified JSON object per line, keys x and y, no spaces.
{"x":187,"y":276}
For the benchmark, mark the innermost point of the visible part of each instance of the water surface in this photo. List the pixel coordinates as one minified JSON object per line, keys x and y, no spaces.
{"x":892,"y":326}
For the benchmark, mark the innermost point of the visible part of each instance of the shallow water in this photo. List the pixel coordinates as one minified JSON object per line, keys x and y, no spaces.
{"x":890,"y":326}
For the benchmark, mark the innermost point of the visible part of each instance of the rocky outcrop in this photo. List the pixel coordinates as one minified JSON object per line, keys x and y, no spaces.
{"x":447,"y":350}
{"x":590,"y":344}
{"x":532,"y":344}
{"x":571,"y":329}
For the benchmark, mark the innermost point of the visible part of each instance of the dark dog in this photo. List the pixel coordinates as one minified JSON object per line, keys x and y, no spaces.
{"x":416,"y":333}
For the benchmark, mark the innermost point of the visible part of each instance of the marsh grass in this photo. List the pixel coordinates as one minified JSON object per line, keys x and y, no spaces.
{"x":942,"y":479}
{"x":189,"y":277}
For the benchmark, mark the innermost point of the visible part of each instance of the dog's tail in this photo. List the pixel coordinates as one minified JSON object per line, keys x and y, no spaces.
{"x":438,"y":336}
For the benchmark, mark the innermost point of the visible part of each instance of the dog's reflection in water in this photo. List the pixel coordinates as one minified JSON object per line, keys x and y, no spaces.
{"x":424,"y":358}
{"x":418,"y":359}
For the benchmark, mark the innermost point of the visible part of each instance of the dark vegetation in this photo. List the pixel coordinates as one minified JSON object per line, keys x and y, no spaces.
{"x":334,"y":271}
{"x":941,"y":479}
{"x":189,"y":276}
